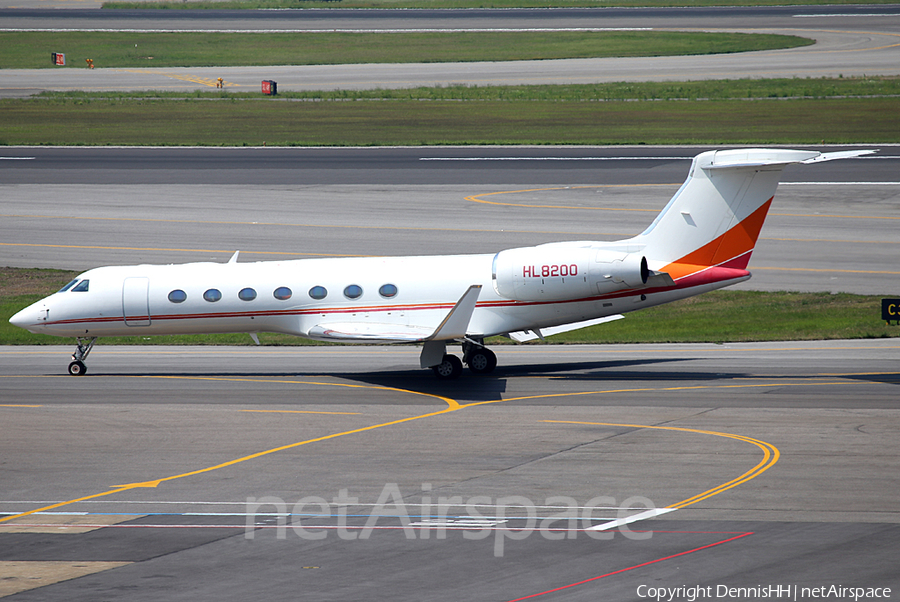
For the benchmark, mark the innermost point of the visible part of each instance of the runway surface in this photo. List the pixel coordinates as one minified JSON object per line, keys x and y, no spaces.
{"x":832,"y":226}
{"x":344,"y":474}
{"x":850,"y":41}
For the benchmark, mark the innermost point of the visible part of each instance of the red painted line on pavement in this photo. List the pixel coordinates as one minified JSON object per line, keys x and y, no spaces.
{"x":631,"y":568}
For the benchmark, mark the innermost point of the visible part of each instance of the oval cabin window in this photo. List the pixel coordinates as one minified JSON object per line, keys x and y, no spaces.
{"x":388,"y":290}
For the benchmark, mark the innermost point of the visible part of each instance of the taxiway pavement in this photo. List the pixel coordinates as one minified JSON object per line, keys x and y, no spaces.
{"x":342,"y":473}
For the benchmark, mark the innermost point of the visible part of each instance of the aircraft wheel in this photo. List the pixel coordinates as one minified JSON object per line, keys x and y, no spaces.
{"x":449,"y":368}
{"x":77,"y":368}
{"x":482,"y":361}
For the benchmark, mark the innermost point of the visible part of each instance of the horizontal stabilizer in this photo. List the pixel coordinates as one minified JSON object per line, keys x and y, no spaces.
{"x":840,"y":155}
{"x":530,"y":335}
{"x":759,"y":157}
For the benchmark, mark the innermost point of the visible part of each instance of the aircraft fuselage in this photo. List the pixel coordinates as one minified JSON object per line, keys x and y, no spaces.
{"x":296,"y":296}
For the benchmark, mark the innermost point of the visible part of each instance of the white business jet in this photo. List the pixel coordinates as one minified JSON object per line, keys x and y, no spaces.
{"x":701,"y":241}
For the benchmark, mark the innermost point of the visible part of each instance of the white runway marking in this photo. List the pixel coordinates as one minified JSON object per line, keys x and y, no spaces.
{"x":631,"y":519}
{"x":843,"y":15}
{"x":555,"y":158}
{"x":444,"y":521}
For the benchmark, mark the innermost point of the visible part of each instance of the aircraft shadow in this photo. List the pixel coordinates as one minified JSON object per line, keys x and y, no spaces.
{"x":471,"y":388}
{"x":887,"y":379}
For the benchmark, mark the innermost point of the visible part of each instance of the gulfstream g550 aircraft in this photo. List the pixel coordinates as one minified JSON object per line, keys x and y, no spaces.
{"x":701,"y":241}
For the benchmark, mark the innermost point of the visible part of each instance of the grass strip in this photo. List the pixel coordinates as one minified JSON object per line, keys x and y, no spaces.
{"x":31,"y":50}
{"x":728,"y":89}
{"x":717,"y":317}
{"x":364,"y":123}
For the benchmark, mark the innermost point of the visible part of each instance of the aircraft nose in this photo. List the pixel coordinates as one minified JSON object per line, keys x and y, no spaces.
{"x":20,"y":319}
{"x":29,"y":318}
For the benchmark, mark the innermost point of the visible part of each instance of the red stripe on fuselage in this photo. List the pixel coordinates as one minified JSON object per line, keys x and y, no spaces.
{"x":703,"y":275}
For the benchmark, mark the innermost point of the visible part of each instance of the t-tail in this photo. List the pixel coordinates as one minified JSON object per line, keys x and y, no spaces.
{"x":709,"y":229}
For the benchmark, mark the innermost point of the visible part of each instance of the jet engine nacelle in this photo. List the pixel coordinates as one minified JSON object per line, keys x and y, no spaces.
{"x":555,"y":273}
{"x":618,"y":270}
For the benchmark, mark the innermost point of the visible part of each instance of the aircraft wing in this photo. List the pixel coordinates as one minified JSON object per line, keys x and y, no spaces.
{"x":370,"y":332}
{"x":530,"y":335}
{"x":452,"y":327}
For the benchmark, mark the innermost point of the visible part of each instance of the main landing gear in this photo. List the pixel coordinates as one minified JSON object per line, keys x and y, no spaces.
{"x":77,"y":367}
{"x":479,"y":358}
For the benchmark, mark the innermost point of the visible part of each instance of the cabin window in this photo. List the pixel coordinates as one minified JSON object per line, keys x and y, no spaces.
{"x":247,"y":294}
{"x":353,"y":291}
{"x":68,"y":286}
{"x":212,"y":295}
{"x":82,"y":287}
{"x":318,"y":292}
{"x":178,"y":296}
{"x":388,"y":290}
{"x":283,"y":293}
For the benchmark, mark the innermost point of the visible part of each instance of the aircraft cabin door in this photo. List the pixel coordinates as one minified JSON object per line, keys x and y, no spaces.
{"x":135,"y":301}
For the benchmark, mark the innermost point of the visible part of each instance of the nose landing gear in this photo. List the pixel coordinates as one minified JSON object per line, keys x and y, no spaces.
{"x":77,"y":367}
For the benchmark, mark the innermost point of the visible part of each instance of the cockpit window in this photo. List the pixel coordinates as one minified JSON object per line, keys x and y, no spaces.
{"x":82,"y":287}
{"x":68,"y":286}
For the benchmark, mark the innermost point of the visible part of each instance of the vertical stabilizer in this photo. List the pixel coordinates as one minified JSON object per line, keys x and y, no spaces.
{"x":716,"y":216}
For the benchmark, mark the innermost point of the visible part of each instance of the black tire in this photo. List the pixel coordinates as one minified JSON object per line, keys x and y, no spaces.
{"x":482,"y":361}
{"x":450,"y":368}
{"x":77,"y":368}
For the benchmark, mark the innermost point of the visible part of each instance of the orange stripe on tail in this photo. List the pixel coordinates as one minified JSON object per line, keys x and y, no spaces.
{"x":733,"y":247}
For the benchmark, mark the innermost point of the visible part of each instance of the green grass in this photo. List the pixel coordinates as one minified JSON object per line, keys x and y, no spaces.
{"x":717,"y":317}
{"x":31,"y":50}
{"x":90,"y":121}
{"x":740,"y":316}
{"x":731,"y":112}
{"x":728,"y":89}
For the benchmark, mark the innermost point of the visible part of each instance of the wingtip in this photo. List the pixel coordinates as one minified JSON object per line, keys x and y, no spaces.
{"x":850,"y":154}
